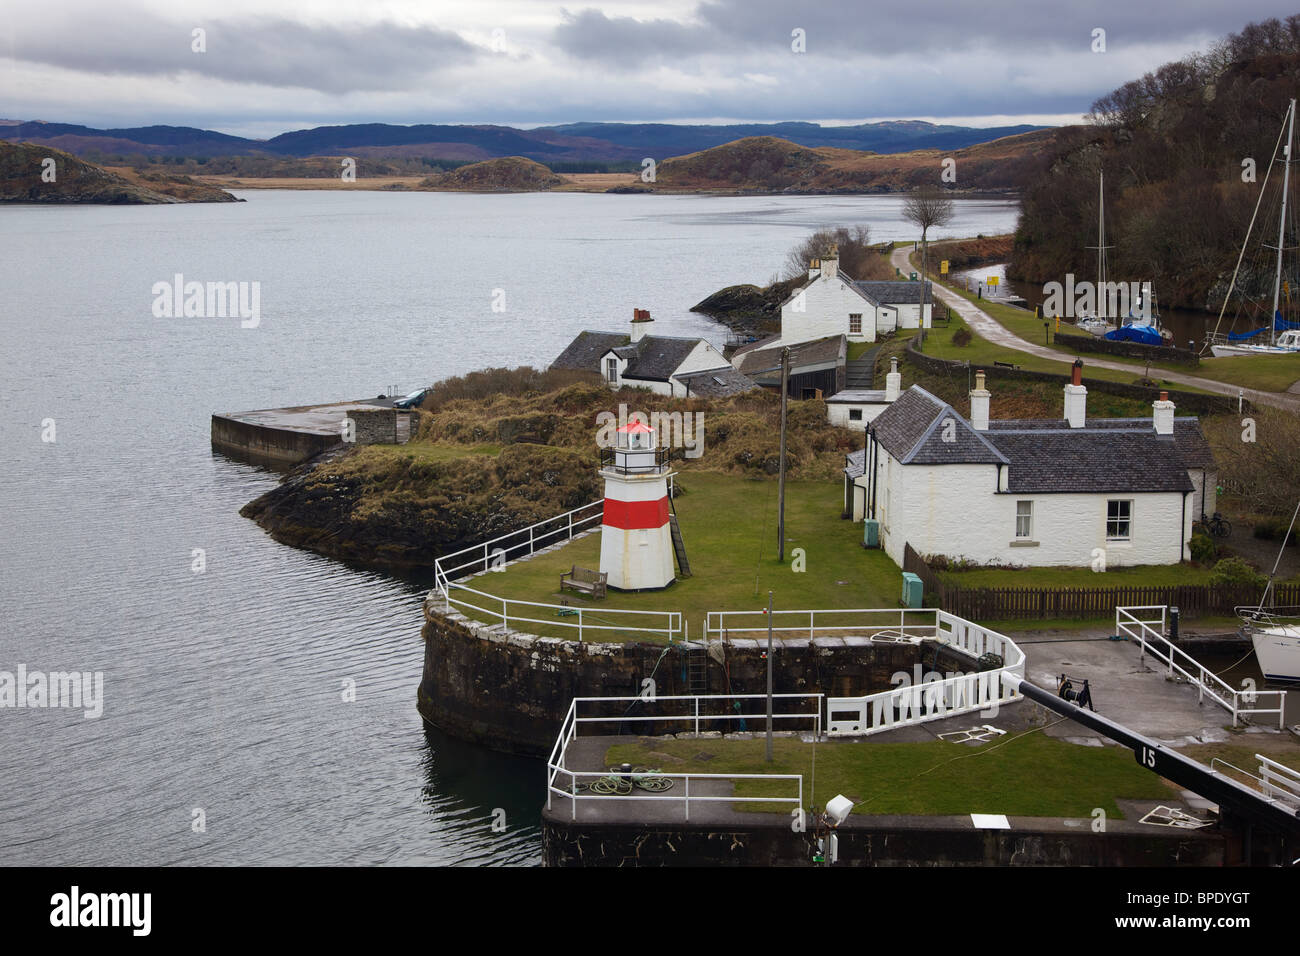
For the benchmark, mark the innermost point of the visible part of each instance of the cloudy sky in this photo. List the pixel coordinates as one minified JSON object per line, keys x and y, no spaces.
{"x":275,"y":66}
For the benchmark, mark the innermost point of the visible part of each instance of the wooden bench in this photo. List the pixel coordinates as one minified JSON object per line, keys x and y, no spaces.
{"x":1004,"y":365}
{"x":585,"y":580}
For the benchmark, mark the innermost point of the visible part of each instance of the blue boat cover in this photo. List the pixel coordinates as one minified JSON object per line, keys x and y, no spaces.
{"x":1141,"y":334}
{"x":1279,"y":324}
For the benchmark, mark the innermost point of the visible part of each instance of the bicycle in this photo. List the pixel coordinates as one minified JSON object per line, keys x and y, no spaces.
{"x":1218,"y":526}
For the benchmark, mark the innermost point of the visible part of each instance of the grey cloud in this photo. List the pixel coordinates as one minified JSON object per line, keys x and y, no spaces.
{"x":333,"y":59}
{"x":591,"y":35}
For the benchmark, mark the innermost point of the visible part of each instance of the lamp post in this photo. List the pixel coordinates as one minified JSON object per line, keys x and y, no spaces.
{"x":1047,"y":333}
{"x":769,"y":677}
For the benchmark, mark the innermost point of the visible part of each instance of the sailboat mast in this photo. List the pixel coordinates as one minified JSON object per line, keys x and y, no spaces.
{"x":1101,"y":245}
{"x":1281,"y":224}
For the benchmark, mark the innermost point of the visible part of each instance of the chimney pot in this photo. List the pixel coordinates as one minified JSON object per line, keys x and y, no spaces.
{"x":1076,"y":372}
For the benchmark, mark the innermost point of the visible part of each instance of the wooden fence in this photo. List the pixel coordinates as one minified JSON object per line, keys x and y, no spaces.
{"x":1001,"y":604}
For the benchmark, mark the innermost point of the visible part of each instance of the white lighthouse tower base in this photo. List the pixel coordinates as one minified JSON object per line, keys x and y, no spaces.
{"x":636,"y":547}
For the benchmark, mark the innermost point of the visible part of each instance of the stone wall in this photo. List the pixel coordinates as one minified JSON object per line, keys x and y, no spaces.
{"x":267,"y":445}
{"x":1156,"y":353}
{"x":510,"y":691}
{"x":871,"y":841}
{"x":375,"y":426}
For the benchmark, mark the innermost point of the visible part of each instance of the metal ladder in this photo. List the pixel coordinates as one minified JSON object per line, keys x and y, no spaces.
{"x":679,"y":546}
{"x":697,"y":668}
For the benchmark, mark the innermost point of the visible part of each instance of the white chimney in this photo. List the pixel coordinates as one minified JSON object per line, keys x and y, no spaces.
{"x":641,"y":323}
{"x":893,"y":381}
{"x":979,"y":404}
{"x":1162,"y":414}
{"x":831,"y":264}
{"x":1076,"y":397}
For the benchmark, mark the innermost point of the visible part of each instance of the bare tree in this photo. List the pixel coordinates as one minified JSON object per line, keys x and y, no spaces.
{"x":858,"y":257}
{"x":928,"y":208}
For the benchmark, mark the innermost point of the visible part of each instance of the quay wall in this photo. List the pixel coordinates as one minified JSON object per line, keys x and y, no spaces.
{"x":871,"y":841}
{"x":262,"y":444}
{"x":511,"y":691}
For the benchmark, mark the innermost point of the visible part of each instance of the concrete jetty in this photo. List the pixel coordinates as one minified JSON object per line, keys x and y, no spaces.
{"x":281,"y":438}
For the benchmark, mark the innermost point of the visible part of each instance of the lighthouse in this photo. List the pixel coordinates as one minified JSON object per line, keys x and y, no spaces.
{"x":636,"y":547}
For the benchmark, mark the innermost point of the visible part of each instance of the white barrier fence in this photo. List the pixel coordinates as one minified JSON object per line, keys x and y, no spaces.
{"x":1146,"y":627}
{"x":499,"y":551}
{"x":658,"y":624}
{"x":557,"y":769}
{"x":940,"y":697}
{"x":902,"y":623}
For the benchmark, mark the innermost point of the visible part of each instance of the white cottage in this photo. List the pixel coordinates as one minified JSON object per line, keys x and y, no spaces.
{"x":664,"y":364}
{"x":830,"y":302}
{"x":1029,"y":491}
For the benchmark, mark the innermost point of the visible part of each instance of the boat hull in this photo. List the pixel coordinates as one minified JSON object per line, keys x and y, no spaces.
{"x":1278,"y":651}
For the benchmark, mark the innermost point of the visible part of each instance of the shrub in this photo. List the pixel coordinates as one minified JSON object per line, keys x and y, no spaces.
{"x":1202,"y":548}
{"x":1274,"y":529}
{"x":1235,"y":572}
{"x":961,"y":338}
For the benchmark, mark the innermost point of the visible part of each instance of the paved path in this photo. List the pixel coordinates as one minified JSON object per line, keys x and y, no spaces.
{"x":987,"y":327}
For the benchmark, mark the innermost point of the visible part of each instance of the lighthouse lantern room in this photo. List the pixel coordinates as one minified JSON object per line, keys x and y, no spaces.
{"x":636,"y":548}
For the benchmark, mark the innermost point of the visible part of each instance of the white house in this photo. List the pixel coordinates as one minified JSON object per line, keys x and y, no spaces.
{"x":664,"y":364}
{"x":831,"y":302}
{"x":858,"y":407}
{"x":1062,"y":492}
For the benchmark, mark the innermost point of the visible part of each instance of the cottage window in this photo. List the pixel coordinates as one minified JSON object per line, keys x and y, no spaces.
{"x":611,"y":370}
{"x":855,"y":414}
{"x":855,"y":323}
{"x":1119,"y":520}
{"x":1024,"y":519}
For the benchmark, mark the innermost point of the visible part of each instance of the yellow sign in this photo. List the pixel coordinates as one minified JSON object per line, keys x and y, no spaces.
{"x":943,"y":267}
{"x":992,"y":280}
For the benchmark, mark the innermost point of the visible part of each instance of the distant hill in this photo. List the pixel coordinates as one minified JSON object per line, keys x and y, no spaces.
{"x":75,"y":181}
{"x":573,"y":142}
{"x":769,"y":164}
{"x":508,"y":174}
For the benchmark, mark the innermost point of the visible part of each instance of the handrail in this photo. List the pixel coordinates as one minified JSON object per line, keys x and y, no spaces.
{"x":444,"y":572}
{"x":672,"y":620}
{"x":1150,"y":639}
{"x":717,"y":622}
{"x":940,"y":698}
{"x":555,"y":765}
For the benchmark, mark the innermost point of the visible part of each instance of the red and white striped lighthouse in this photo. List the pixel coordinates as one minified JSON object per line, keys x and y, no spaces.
{"x":636,"y":547}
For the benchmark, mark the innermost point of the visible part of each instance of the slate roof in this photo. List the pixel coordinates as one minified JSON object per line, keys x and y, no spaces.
{"x":760,"y":344}
{"x":1043,"y":456}
{"x":717,"y":382}
{"x":655,"y":357}
{"x":1088,"y":460}
{"x":803,"y":354}
{"x":914,"y":430}
{"x":1189,"y":440}
{"x":584,"y":352}
{"x":892,"y":293}
{"x":855,"y":463}
{"x":858,"y":396}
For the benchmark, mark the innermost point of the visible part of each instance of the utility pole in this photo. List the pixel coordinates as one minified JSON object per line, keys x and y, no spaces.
{"x":780,"y":494}
{"x":769,"y":676}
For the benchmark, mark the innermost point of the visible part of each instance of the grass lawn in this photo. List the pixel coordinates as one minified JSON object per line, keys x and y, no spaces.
{"x":1031,"y":775}
{"x":1153,"y":575}
{"x":729,"y":526}
{"x":857,"y":349}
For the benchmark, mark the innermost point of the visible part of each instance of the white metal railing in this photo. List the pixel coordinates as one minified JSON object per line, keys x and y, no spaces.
{"x":941,"y":697}
{"x":666,"y":624}
{"x":479,"y":558}
{"x":1145,"y":625}
{"x":896,"y":622}
{"x":556,"y":763}
{"x":1278,"y":781}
